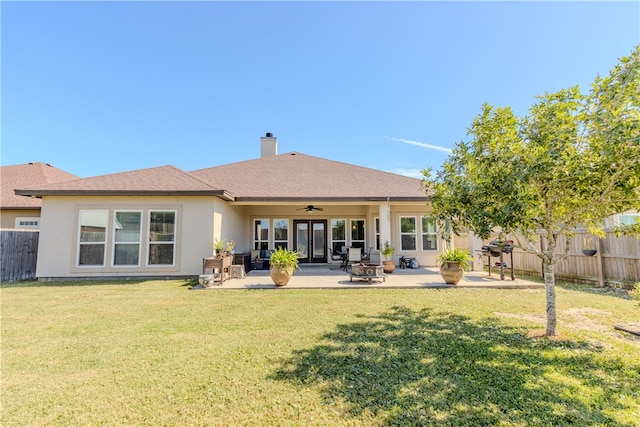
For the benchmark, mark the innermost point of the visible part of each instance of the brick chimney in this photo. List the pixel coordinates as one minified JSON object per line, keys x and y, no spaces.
{"x":268,"y":145}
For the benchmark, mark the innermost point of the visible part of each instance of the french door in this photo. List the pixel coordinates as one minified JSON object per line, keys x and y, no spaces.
{"x":310,"y":240}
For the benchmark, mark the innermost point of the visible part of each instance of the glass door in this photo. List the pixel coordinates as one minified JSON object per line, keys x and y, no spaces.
{"x":310,"y":240}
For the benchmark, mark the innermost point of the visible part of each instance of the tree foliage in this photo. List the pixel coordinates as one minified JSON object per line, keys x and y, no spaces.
{"x":573,"y":160}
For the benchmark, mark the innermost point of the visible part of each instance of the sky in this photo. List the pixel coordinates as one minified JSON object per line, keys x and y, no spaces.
{"x":95,"y":88}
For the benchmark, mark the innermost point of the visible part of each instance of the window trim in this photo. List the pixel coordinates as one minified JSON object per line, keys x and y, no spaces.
{"x":414,"y":233}
{"x":288,"y":228}
{"x":257,"y":240}
{"x":172,"y":242}
{"x":79,"y":242}
{"x":143,"y":268}
{"x":364,"y":233}
{"x":426,"y":233}
{"x":344,"y":240}
{"x":20,"y":219}
{"x":139,"y":242}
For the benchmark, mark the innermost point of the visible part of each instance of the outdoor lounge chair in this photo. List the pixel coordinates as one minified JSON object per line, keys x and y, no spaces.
{"x":355,"y":256}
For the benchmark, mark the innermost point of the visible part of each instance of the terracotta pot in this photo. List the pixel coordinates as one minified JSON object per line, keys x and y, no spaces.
{"x":281,"y":277}
{"x":388,"y":266}
{"x":451,"y":272}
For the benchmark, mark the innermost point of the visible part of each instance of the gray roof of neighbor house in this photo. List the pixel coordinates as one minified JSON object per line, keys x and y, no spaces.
{"x":27,"y":175}
{"x":284,"y":177}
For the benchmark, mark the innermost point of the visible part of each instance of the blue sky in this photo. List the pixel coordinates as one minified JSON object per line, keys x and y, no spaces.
{"x":102,"y":87}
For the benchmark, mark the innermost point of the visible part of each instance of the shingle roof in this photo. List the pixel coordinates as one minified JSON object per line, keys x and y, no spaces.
{"x":27,"y":175}
{"x":162,"y":180}
{"x":297,"y":176}
{"x":284,"y":177}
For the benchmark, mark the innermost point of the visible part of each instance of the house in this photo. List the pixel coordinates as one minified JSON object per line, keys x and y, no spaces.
{"x":163,"y":221}
{"x":24,"y":212}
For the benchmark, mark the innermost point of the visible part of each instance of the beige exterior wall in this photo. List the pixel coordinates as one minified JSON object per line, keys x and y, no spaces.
{"x":200,"y":220}
{"x":195,"y":228}
{"x":8,"y":216}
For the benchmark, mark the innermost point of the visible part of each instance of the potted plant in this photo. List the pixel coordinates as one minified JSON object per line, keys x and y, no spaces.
{"x":282,"y":264}
{"x":218,"y":247}
{"x":387,"y":252}
{"x":588,"y":248}
{"x":453,"y":262}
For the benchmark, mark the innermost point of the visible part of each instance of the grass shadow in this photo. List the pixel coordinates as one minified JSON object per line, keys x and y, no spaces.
{"x":596,"y":290}
{"x":409,"y":367}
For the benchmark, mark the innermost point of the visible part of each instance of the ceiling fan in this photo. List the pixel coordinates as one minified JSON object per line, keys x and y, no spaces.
{"x":310,"y":208}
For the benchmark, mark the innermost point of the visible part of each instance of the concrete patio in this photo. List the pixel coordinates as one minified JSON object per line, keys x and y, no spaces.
{"x":332,"y":277}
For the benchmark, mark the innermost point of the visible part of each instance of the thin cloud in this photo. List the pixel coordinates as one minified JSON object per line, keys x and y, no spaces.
{"x":412,"y":173}
{"x":421,"y":144}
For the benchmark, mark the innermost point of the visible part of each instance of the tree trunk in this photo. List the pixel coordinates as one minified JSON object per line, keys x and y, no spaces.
{"x":550,"y":287}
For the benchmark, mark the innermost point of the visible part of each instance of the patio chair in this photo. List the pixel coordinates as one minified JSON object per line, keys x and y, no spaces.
{"x":367,"y":255}
{"x":335,"y":256}
{"x":355,"y":256}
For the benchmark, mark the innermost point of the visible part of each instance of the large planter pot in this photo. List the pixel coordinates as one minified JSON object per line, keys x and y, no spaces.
{"x":280,"y":276}
{"x":388,"y":266}
{"x":451,"y":272}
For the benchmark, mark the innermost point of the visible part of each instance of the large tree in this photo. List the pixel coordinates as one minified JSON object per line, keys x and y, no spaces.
{"x":573,"y":160}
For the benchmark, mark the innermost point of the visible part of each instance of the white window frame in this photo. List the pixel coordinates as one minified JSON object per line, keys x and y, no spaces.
{"x":631,"y":217}
{"x":161,"y":242}
{"x":414,"y":233}
{"x":333,"y":242}
{"x":27,"y":222}
{"x":80,"y":243}
{"x":376,"y":237}
{"x":257,"y":240}
{"x":139,"y":242}
{"x":364,"y":232}
{"x":277,"y":243}
{"x":424,"y":233}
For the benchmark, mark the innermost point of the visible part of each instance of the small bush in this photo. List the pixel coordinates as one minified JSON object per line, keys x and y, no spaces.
{"x":636,"y":291}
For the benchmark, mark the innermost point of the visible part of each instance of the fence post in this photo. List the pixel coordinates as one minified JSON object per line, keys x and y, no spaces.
{"x":600,"y":261}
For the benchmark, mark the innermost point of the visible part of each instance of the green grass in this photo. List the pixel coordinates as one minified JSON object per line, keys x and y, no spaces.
{"x":156,"y":353}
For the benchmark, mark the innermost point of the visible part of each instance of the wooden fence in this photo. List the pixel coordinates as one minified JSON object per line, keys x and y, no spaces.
{"x":18,"y":254}
{"x":616,"y":262}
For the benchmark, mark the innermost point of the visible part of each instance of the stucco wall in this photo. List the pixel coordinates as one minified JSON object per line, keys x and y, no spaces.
{"x":8,"y":216}
{"x":195,"y":231}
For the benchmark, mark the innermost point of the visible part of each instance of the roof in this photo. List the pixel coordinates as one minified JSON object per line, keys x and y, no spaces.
{"x":27,"y":175}
{"x":284,"y":177}
{"x":297,"y":176}
{"x":159,"y":181}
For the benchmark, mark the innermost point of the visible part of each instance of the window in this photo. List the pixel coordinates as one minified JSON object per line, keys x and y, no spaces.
{"x":338,"y":235}
{"x":628,"y":219}
{"x":429,"y":234}
{"x":281,"y":233}
{"x":408,"y":233}
{"x":28,"y":222}
{"x":261,"y":234}
{"x":126,"y":238}
{"x":377,"y":232}
{"x":357,"y":233}
{"x":162,"y":237}
{"x":92,"y":238}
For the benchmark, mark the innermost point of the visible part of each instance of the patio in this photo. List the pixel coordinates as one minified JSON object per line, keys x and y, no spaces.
{"x":331,"y":276}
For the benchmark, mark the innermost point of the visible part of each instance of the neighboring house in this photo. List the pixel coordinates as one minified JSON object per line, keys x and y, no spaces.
{"x":163,"y":221}
{"x":627,"y":218}
{"x":20,"y":211}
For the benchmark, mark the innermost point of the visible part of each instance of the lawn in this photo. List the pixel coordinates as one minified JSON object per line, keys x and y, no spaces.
{"x":156,"y":353}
